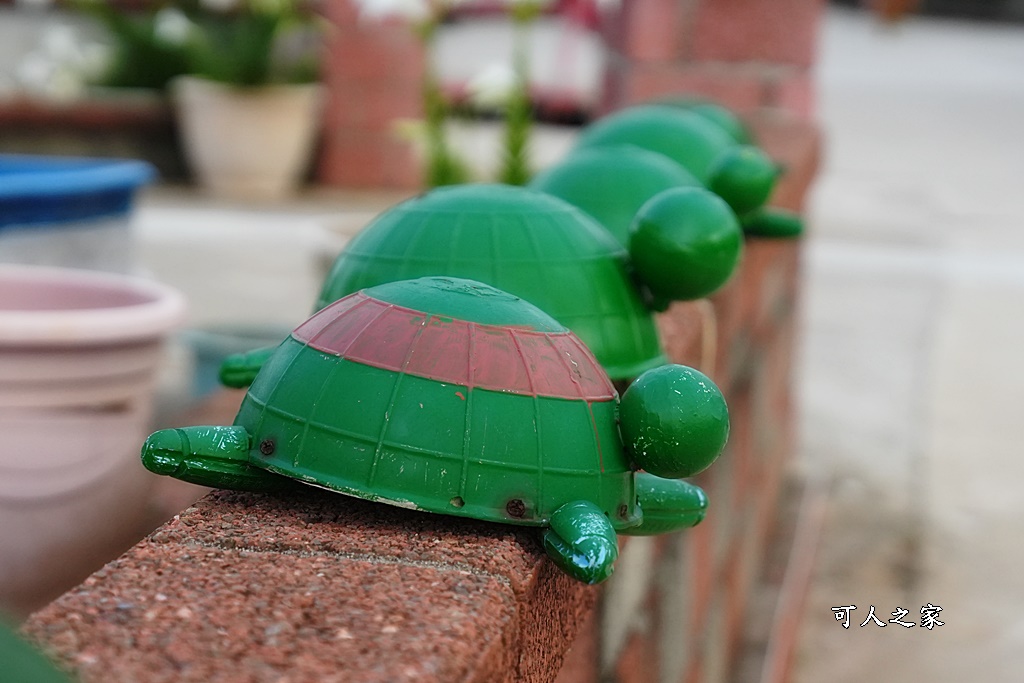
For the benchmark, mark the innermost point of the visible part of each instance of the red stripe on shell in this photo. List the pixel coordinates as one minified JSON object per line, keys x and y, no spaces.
{"x":498,"y":358}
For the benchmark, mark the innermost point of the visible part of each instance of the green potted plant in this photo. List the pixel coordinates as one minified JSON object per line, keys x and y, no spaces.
{"x":246,"y":91}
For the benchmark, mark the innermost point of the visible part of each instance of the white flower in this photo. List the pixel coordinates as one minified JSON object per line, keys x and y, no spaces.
{"x":38,"y":74}
{"x":415,"y":11}
{"x":410,"y":10}
{"x":493,"y":85}
{"x":33,"y":72}
{"x":60,"y":43}
{"x":172,"y":26}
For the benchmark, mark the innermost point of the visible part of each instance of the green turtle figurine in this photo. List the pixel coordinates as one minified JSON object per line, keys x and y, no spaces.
{"x":548,"y":252}
{"x":741,"y":174}
{"x":715,"y":113}
{"x":450,"y":396}
{"x":612,"y":183}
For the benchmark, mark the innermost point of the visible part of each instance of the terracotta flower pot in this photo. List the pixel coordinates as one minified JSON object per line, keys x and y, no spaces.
{"x":79,"y":353}
{"x":247,"y":143}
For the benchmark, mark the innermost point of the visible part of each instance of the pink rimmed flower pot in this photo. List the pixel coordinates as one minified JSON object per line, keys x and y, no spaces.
{"x":79,"y":353}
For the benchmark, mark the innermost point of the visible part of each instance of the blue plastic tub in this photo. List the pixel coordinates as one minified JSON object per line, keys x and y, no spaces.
{"x":70,"y":212}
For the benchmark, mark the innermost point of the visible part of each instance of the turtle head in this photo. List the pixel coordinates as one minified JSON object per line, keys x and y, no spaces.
{"x":674,"y":421}
{"x":744,"y":177}
{"x":684,"y":244}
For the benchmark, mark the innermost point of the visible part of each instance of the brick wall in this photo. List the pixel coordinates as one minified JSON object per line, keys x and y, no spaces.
{"x":750,"y":55}
{"x":373,"y":74}
{"x":747,"y":54}
{"x":682,"y":608}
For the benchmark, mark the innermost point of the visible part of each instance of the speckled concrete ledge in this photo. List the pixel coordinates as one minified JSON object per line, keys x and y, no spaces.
{"x":312,"y":586}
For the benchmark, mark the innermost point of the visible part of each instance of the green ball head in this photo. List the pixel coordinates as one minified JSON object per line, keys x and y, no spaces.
{"x":743,"y":176}
{"x":674,"y":421}
{"x":685,"y":244}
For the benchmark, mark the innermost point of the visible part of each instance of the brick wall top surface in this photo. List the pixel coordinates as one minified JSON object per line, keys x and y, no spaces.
{"x":318,"y":587}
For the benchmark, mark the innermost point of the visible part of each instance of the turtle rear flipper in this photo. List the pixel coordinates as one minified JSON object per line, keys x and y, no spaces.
{"x":209,"y":456}
{"x":582,"y":541}
{"x":667,"y":504}
{"x":240,"y":369}
{"x":771,"y":222}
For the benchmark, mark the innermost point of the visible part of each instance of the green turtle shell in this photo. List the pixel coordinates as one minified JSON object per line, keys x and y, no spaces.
{"x":522,"y":241}
{"x":683,"y":136}
{"x":612,"y":183}
{"x":444,"y":395}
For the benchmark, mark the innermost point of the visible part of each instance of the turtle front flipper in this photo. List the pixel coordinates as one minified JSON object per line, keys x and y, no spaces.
{"x":772,"y":222}
{"x":209,"y":456}
{"x":240,"y":369}
{"x":582,"y":541}
{"x":667,"y":505}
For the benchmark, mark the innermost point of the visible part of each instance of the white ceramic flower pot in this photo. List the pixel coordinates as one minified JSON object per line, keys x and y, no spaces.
{"x":79,"y":353}
{"x":247,"y":143}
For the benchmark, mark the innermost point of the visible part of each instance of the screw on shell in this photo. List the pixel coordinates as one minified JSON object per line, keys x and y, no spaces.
{"x":267,"y":447}
{"x":623,"y":511}
{"x":516,"y":508}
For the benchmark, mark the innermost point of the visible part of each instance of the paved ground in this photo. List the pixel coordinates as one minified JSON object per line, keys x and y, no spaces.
{"x":910,"y":377}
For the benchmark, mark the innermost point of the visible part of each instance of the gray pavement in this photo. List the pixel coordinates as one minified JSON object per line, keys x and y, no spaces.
{"x":910,"y":374}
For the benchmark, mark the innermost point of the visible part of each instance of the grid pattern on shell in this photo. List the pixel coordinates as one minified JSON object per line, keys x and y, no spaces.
{"x":504,"y":359}
{"x":562,"y":262}
{"x":375,"y":433}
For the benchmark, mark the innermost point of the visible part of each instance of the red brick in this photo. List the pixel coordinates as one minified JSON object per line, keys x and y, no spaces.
{"x":739,"y":87}
{"x":699,"y":548}
{"x":359,"y":158}
{"x":683,"y":329}
{"x":638,"y":661}
{"x":321,"y":587}
{"x":795,"y":93}
{"x":376,"y":107}
{"x":582,"y":660}
{"x":373,"y":73}
{"x":796,"y":145}
{"x":649,"y":30}
{"x":341,"y":12}
{"x":370,"y":52}
{"x":775,"y":31}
